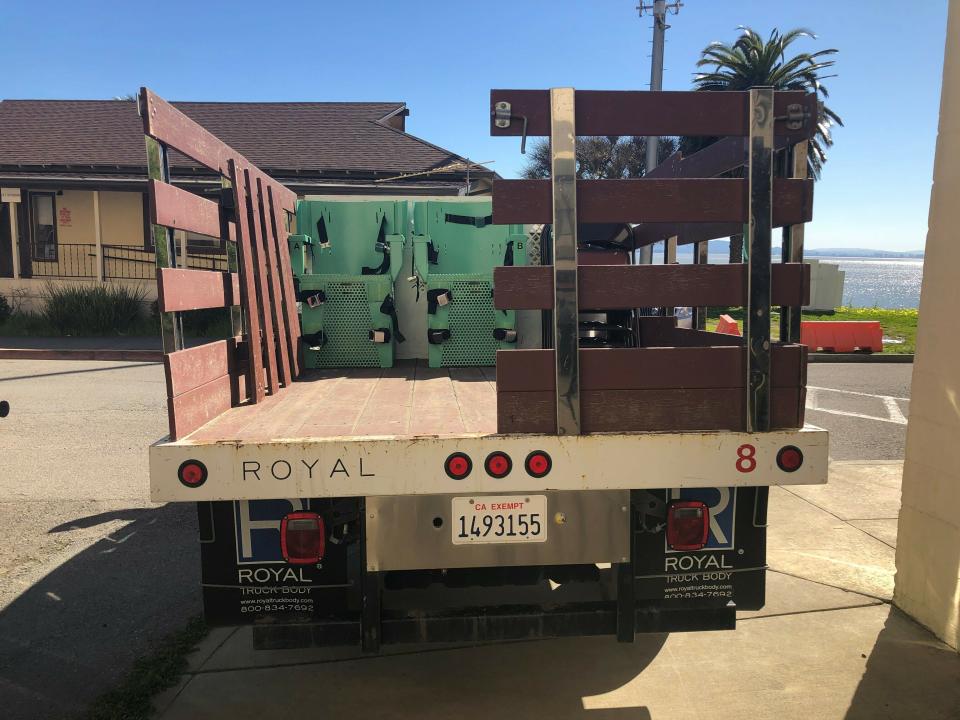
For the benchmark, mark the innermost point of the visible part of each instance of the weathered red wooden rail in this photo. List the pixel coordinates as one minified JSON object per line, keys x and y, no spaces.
{"x":648,"y":389}
{"x":630,"y":112}
{"x":707,"y":200}
{"x":622,"y":287}
{"x":204,"y":381}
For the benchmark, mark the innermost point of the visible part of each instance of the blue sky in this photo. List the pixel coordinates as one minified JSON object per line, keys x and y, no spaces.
{"x":443,"y":58}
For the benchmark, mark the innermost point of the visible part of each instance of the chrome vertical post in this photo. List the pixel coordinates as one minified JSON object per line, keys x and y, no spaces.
{"x":700,"y":250}
{"x":563,"y":174}
{"x":792,"y":247}
{"x":756,"y":323}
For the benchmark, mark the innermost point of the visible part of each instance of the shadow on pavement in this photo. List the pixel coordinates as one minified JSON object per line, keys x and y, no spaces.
{"x":558,"y":679}
{"x":909,"y":674}
{"x":75,"y":632}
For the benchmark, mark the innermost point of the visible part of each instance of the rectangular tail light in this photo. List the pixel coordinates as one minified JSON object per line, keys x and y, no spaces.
{"x":302,"y":538}
{"x":688,"y":525}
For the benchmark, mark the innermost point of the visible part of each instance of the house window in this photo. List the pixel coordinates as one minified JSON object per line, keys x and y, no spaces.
{"x":43,"y":226}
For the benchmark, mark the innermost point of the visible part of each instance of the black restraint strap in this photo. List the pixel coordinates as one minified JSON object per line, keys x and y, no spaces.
{"x":381,"y":247}
{"x":477,"y":222}
{"x":388,"y":308}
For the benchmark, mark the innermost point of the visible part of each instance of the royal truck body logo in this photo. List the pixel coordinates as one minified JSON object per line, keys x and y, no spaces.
{"x":722,"y":503}
{"x":257,"y":524}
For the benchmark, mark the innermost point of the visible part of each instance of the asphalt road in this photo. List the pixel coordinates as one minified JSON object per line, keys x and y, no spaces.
{"x":864,"y":406}
{"x":91,"y":572}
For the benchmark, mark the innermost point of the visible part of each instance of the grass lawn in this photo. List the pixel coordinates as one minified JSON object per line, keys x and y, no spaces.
{"x":896,"y":324}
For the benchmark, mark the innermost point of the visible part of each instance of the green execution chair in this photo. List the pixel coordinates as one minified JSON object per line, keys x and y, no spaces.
{"x":455,"y":248}
{"x":345,"y":265}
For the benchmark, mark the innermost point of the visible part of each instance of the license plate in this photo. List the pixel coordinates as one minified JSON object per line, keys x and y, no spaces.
{"x":491,"y":519}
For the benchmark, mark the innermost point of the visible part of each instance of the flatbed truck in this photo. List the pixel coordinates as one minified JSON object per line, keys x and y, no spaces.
{"x":574,"y":489}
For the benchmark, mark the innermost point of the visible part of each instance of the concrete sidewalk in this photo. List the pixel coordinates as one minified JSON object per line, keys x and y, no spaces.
{"x":827,"y":645}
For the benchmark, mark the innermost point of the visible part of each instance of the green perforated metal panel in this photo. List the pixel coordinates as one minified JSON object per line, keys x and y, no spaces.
{"x":348,"y":341}
{"x":471,"y":319}
{"x":350,"y":311}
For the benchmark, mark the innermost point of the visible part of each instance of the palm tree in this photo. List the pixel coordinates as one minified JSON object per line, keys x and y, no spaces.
{"x":600,"y":158}
{"x":752,"y":61}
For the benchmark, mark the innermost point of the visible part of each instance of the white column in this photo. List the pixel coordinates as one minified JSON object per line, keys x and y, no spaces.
{"x":928,"y":540}
{"x":97,"y":235}
{"x":14,"y":239}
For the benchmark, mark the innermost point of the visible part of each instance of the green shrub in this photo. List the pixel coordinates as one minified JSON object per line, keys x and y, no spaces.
{"x":5,"y":310}
{"x":94,"y":309}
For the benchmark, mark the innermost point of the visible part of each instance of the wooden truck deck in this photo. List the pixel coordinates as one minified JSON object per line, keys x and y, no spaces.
{"x":410,"y":399}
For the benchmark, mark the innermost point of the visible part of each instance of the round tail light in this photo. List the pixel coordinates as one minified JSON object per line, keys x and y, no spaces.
{"x":192,"y":473}
{"x":498,"y":465}
{"x":458,"y":465}
{"x":790,"y":458}
{"x":538,"y":464}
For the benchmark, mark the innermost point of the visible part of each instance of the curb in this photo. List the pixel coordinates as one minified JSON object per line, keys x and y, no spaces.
{"x":153,"y":356}
{"x":821,"y":357}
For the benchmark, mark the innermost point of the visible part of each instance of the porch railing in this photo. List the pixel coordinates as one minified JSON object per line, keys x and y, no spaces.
{"x":119,"y":262}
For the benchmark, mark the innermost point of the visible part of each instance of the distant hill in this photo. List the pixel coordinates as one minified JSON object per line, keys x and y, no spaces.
{"x":862,"y":253}
{"x":722,"y":247}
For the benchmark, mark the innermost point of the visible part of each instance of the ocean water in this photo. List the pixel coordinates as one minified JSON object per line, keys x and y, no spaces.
{"x":871,"y":282}
{"x":883,"y":283}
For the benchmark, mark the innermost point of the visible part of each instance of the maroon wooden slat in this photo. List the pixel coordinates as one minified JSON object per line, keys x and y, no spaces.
{"x":278,"y":216}
{"x":603,"y":257}
{"x":170,"y":126}
{"x":663,"y":332}
{"x":190,"y":368}
{"x":654,"y":368}
{"x":248,"y":287}
{"x":176,"y":208}
{"x":631,"y":112}
{"x":278,"y":316}
{"x":261,"y":273}
{"x":616,"y":287}
{"x":651,"y":201}
{"x":195,"y":408}
{"x":673,"y":410}
{"x":686,"y":233}
{"x":181,"y":289}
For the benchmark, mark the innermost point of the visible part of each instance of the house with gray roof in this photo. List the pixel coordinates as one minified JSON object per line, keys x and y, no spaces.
{"x":73,"y":177}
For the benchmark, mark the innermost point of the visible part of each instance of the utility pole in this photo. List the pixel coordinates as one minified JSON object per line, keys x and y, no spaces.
{"x":659,"y":9}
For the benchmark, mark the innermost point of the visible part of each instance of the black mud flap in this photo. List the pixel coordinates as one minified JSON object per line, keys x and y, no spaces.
{"x":729,"y":571}
{"x":245,"y":578}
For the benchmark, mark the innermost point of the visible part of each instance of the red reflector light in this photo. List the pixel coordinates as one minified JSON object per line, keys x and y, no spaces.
{"x":302,"y":538}
{"x":192,"y":473}
{"x":498,"y":465}
{"x":790,"y":458}
{"x":688,"y":522}
{"x":458,"y":465}
{"x":538,"y":463}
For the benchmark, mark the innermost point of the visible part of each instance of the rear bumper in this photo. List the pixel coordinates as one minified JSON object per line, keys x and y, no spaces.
{"x":378,"y":466}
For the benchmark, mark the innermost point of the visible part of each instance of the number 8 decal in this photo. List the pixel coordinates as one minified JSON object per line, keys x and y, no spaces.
{"x":746,"y":458}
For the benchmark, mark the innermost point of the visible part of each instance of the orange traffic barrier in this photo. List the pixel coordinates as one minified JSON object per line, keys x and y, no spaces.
{"x":842,"y":335}
{"x":728,"y":326}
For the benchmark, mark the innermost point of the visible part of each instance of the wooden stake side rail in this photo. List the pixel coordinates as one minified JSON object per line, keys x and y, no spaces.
{"x":631,"y":112}
{"x":699,"y":200}
{"x":205,"y":381}
{"x":679,"y":389}
{"x":740,"y":384}
{"x":621,"y":287}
